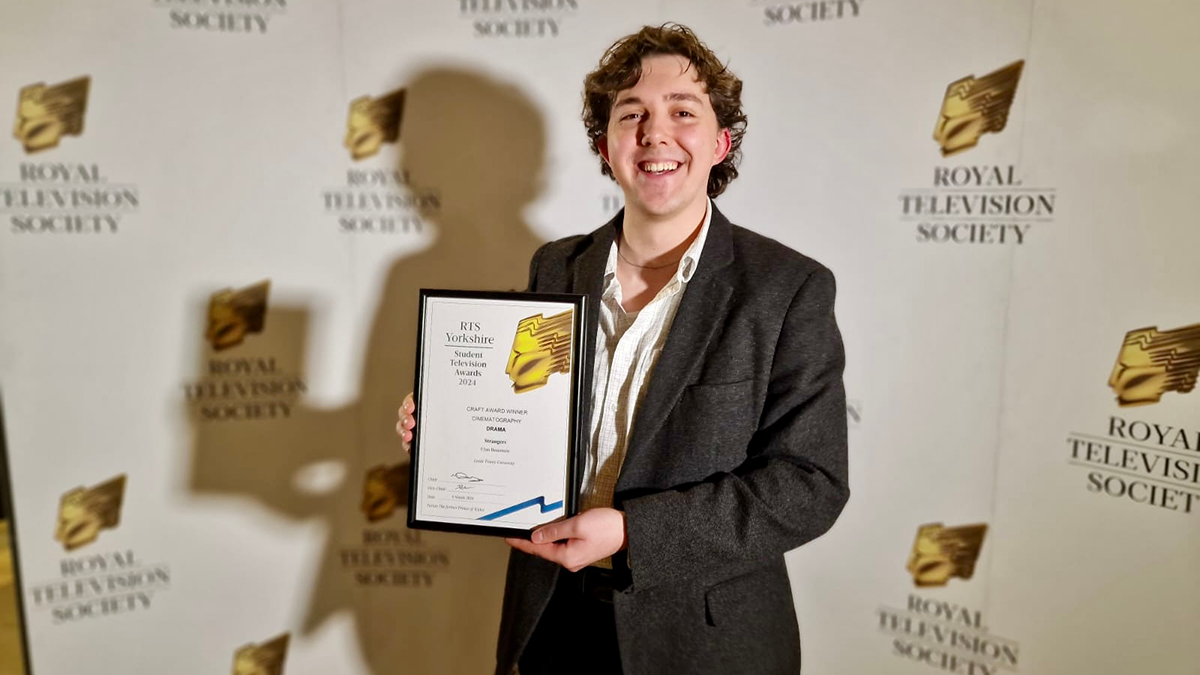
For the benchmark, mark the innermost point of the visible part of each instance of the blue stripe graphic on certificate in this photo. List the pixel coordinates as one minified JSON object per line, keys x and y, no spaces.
{"x":536,"y":501}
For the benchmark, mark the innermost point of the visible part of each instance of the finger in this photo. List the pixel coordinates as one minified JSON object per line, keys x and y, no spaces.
{"x":563,"y":529}
{"x":409,"y":422}
{"x":405,"y":436}
{"x":409,"y":406}
{"x":549,"y":552}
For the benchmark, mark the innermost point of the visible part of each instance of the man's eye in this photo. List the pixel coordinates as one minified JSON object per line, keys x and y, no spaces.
{"x":685,"y":113}
{"x":629,"y":116}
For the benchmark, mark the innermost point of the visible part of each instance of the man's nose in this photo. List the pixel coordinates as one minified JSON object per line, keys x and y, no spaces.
{"x":653,"y":130}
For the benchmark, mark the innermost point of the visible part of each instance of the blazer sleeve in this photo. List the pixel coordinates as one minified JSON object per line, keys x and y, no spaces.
{"x":793,"y":483}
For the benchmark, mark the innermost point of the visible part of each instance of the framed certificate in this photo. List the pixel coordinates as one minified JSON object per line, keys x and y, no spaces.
{"x":498,"y":386}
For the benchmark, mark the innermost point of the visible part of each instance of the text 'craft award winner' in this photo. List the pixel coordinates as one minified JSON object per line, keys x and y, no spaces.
{"x":497,"y":395}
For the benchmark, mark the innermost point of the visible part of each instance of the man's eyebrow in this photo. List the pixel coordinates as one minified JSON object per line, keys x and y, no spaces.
{"x":673,"y":96}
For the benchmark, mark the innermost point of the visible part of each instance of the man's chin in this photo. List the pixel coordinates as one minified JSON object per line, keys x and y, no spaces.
{"x":662,"y":208}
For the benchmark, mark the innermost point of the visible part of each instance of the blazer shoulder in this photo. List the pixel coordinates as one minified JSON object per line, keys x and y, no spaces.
{"x":563,"y":250}
{"x":770,"y":260}
{"x":554,"y":263}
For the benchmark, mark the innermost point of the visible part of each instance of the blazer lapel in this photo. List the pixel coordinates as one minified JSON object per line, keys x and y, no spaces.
{"x":587,"y":277}
{"x":701,"y":310}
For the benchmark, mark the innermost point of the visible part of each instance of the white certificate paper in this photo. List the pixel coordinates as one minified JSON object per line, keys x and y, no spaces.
{"x":497,"y":393}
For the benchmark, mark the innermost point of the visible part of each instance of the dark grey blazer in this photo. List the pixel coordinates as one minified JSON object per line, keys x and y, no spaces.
{"x":737,"y":454}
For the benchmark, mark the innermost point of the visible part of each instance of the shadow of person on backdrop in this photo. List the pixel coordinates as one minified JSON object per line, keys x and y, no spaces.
{"x":423,"y":603}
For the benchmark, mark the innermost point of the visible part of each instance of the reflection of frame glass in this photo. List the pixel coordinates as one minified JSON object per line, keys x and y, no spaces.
{"x":497,"y":393}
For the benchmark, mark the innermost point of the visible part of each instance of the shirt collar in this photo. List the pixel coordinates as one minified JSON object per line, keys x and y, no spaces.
{"x":687,"y":264}
{"x":691,"y":257}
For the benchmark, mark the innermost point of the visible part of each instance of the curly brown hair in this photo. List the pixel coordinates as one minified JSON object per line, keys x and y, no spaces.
{"x":621,"y":68}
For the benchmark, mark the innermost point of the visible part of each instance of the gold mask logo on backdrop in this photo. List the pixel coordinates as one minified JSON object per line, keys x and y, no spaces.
{"x":261,"y":659}
{"x":46,"y":114}
{"x":939,"y":632}
{"x":940,"y":553}
{"x":1152,"y":362}
{"x":373,"y":122}
{"x":541,"y":347}
{"x":977,"y":203}
{"x":378,"y":200}
{"x":233,"y":315}
{"x":383,"y":491}
{"x":1148,"y":462}
{"x":61,"y":197}
{"x":83,"y":512}
{"x":386,"y":556}
{"x":250,"y":384}
{"x":976,"y":106}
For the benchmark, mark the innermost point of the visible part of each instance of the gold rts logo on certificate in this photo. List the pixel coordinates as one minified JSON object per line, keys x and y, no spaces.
{"x":497,"y":393}
{"x":541,"y":346}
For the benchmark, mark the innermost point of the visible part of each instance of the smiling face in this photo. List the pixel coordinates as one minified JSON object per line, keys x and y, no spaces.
{"x":663,"y":139}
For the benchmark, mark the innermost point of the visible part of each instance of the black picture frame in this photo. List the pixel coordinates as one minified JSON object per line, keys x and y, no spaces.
{"x":574,"y":447}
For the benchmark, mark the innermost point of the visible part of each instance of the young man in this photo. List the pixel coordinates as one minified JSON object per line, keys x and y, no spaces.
{"x":718,"y":424}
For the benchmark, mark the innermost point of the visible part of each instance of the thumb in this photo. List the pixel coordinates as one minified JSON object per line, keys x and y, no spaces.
{"x":564,"y":529}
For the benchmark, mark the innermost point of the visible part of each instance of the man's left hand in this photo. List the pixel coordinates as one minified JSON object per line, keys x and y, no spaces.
{"x":579,"y":541}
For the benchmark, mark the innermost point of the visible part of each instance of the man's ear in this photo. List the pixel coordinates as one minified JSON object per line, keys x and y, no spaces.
{"x":602,"y":148}
{"x":724,"y":144}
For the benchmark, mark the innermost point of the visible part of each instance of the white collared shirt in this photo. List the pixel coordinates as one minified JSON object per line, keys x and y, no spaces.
{"x":627,"y":347}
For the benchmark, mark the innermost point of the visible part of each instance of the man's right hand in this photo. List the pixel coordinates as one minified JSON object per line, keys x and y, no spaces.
{"x":406,"y":422}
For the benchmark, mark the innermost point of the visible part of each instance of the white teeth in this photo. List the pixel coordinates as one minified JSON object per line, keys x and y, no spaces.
{"x":659,"y":167}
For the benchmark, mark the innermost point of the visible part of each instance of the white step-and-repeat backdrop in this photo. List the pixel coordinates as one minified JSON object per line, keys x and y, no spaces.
{"x":216,"y":215}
